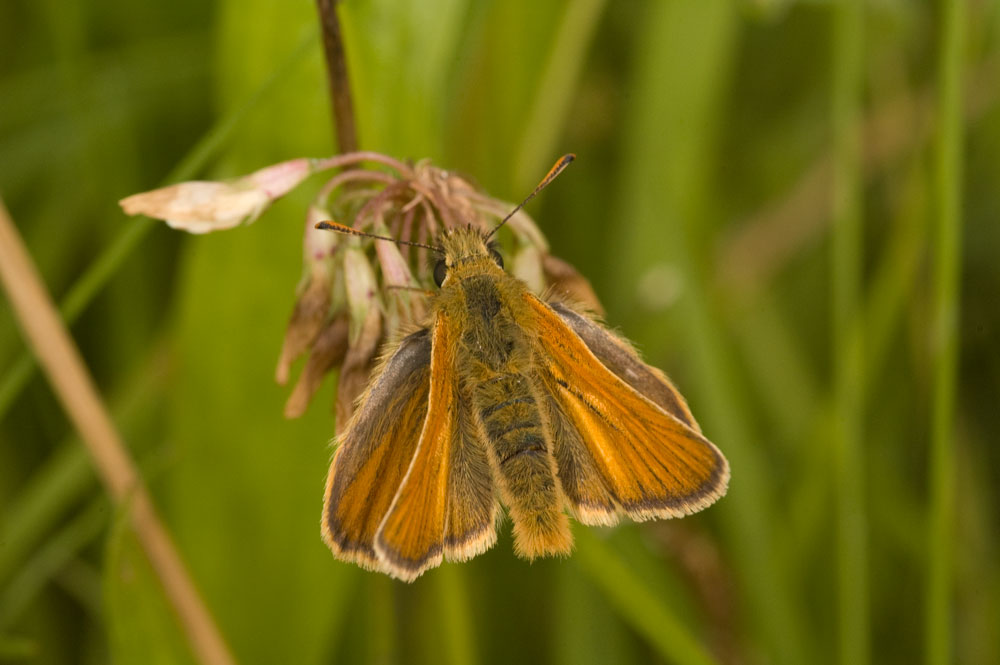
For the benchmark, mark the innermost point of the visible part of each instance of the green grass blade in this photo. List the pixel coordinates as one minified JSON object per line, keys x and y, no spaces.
{"x":142,"y":626}
{"x":947,"y":262}
{"x":456,"y":617}
{"x":637,"y":604}
{"x":848,"y":433}
{"x":785,"y":381}
{"x":50,"y":559}
{"x":551,"y":103}
{"x":587,"y":630}
{"x":61,"y":481}
{"x":894,"y":281}
{"x":68,"y":474}
{"x":399,"y":57}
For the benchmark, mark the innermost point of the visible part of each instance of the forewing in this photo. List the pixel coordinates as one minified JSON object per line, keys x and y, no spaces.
{"x":646,"y":449}
{"x":618,"y":356}
{"x":377,"y":448}
{"x":446,"y":504}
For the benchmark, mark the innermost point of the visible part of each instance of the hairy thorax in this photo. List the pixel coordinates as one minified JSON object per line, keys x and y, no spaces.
{"x":489,"y":304}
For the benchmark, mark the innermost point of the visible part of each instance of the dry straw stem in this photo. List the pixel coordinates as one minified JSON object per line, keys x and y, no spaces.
{"x":74,"y":387}
{"x":337,"y":77}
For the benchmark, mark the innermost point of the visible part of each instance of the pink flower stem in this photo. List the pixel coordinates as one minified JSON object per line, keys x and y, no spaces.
{"x":351,"y":158}
{"x":355,"y":175}
{"x":406,"y":231}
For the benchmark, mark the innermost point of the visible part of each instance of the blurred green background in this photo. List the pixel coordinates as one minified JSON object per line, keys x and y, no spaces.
{"x":763,"y":200}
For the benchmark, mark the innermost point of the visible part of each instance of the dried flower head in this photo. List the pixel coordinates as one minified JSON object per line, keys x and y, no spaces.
{"x":354,"y":294}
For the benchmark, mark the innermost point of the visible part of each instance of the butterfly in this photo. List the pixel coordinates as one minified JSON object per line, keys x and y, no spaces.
{"x":507,"y":398}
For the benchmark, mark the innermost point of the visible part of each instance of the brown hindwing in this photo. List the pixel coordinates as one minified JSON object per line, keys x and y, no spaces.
{"x":472,"y":504}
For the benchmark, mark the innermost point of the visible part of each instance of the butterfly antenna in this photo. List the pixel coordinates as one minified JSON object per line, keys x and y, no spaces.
{"x":563,"y":162}
{"x":340,"y":228}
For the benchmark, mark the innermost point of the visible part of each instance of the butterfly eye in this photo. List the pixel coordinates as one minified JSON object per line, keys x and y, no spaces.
{"x":496,"y":257}
{"x":440,"y":270}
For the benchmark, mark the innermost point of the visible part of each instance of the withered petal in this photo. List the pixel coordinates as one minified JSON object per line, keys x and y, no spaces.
{"x":311,"y":311}
{"x":362,"y":289}
{"x":564,"y":280}
{"x":527,"y":267}
{"x":199,"y":206}
{"x":327,"y":352}
{"x":357,"y":367}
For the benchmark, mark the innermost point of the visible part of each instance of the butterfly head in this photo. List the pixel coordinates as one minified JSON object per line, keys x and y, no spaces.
{"x":463,"y":251}
{"x":466,"y":251}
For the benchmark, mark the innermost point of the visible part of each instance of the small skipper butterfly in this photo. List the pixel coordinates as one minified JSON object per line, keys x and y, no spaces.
{"x":503,"y":397}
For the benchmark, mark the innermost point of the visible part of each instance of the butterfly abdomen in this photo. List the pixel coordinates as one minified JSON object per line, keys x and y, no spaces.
{"x":497,"y":359}
{"x":522,"y":462}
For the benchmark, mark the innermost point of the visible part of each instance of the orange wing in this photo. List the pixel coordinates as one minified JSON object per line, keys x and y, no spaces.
{"x":618,"y":356}
{"x":628,"y":442}
{"x":376,"y":450}
{"x":446,"y":504}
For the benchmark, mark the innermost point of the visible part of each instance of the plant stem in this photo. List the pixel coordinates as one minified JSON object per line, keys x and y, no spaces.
{"x":345,"y":132}
{"x":47,"y":335}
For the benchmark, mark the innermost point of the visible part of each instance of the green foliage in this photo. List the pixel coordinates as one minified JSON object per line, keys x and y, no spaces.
{"x":141,"y":627}
{"x":709,"y":135}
